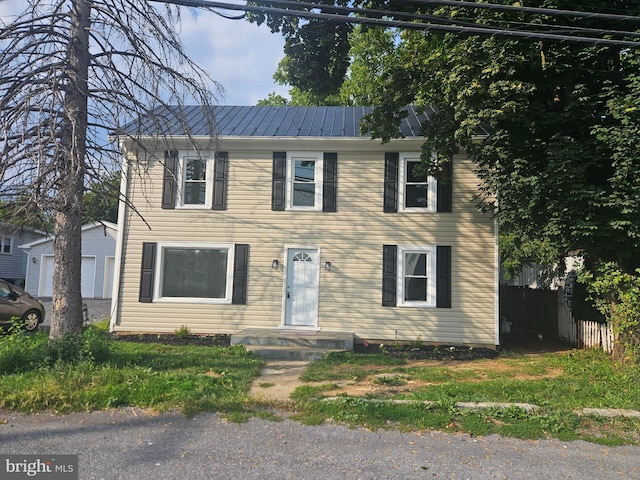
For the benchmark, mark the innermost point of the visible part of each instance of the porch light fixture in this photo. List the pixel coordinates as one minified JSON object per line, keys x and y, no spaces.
{"x":327,"y":266}
{"x":33,"y":259}
{"x":275,"y":264}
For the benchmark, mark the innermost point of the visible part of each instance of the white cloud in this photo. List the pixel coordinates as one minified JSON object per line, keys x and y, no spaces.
{"x":239,"y":55}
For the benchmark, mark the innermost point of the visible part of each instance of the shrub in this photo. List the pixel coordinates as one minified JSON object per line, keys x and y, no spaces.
{"x":92,"y":345}
{"x":182,"y":332}
{"x":21,"y":351}
{"x":617,"y":297}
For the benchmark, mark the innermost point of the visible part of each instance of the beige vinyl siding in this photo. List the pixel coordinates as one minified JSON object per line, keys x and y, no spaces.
{"x":350,"y":296}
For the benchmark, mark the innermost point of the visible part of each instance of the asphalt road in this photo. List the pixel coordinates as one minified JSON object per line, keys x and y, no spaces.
{"x":130,"y":444}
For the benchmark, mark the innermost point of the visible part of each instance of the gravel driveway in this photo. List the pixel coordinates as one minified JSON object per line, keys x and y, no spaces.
{"x":131,"y":444}
{"x":97,"y":308}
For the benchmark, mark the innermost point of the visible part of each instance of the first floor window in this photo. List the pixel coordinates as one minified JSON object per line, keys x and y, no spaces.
{"x":5,"y":245}
{"x":416,"y":276}
{"x":195,"y":271}
{"x":416,"y":282}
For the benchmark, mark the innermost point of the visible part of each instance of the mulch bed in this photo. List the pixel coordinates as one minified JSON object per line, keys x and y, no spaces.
{"x":412,"y":352}
{"x":171,"y":339}
{"x":428,"y":352}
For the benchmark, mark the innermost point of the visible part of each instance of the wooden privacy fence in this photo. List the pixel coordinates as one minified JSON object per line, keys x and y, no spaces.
{"x":582,"y":333}
{"x":547,"y":312}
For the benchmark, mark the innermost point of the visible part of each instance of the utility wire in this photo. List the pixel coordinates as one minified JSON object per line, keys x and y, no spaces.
{"x":545,"y":11}
{"x":461,"y":21}
{"x":463,"y":30}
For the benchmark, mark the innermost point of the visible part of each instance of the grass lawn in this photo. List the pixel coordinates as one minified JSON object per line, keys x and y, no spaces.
{"x":161,"y":377}
{"x":380,"y":391}
{"x":95,"y":372}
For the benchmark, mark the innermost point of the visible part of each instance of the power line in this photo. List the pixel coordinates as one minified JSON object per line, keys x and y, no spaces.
{"x":401,"y":24}
{"x":460,"y":21}
{"x":537,"y":10}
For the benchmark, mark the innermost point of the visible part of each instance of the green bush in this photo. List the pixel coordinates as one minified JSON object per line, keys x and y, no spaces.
{"x":617,"y":297}
{"x":91,"y":345}
{"x":65,"y":349}
{"x":20,"y":351}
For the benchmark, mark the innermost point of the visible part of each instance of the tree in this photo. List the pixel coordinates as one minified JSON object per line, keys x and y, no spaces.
{"x":100,"y":201}
{"x":560,"y":166}
{"x":73,"y":73}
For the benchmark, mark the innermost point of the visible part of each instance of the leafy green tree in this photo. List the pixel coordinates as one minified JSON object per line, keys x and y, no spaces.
{"x":560,"y":166}
{"x":100,"y":201}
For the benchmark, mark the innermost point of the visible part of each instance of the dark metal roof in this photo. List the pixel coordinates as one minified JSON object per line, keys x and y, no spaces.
{"x":258,"y":121}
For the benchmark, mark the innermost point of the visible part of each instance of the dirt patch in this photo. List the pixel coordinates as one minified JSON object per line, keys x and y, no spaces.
{"x":383,"y":382}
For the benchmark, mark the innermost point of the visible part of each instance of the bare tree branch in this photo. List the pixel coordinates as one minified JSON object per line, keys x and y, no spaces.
{"x":74,"y":73}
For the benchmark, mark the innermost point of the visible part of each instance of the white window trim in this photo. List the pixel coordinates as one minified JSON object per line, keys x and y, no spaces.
{"x":208,"y":199}
{"x":3,"y":242}
{"x":432,"y":200}
{"x":318,"y":158}
{"x":430,"y":250}
{"x":161,"y":246}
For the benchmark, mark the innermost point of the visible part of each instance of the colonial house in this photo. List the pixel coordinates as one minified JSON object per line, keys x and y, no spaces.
{"x":291,"y":220}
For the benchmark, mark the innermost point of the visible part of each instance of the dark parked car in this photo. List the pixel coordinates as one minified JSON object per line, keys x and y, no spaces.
{"x":15,"y":302}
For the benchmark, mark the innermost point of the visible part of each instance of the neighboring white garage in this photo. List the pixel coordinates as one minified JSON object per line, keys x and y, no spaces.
{"x":98,"y":253}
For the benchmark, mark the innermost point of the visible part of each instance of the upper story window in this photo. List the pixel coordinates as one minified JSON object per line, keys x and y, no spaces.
{"x":304,"y":181}
{"x":196,"y":180}
{"x":408,"y":189}
{"x":417,"y":190}
{"x":6,"y":245}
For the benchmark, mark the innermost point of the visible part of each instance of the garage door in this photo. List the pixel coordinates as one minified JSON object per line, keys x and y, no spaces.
{"x":88,"y":274}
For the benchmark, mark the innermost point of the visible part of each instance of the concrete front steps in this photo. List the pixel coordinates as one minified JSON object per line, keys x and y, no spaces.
{"x":292,"y":344}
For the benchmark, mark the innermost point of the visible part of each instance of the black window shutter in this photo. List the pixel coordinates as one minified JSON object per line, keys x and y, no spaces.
{"x":443,"y":277}
{"x":444,"y":188}
{"x":279,"y":178}
{"x":391,"y":160}
{"x":146,"y":272}
{"x":330,"y":182}
{"x":220,"y":168}
{"x":169,"y":189}
{"x":240,"y":274}
{"x":389,"y":263}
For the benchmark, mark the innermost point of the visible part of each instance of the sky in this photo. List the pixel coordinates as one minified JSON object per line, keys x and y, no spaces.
{"x":239,"y":55}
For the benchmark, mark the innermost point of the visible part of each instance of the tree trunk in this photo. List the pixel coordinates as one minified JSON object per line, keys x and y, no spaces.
{"x":67,"y":298}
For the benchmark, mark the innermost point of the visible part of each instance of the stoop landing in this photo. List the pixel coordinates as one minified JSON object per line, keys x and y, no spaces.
{"x":292,"y":344}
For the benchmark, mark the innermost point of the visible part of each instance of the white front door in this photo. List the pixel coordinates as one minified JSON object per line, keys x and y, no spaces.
{"x":301,"y":301}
